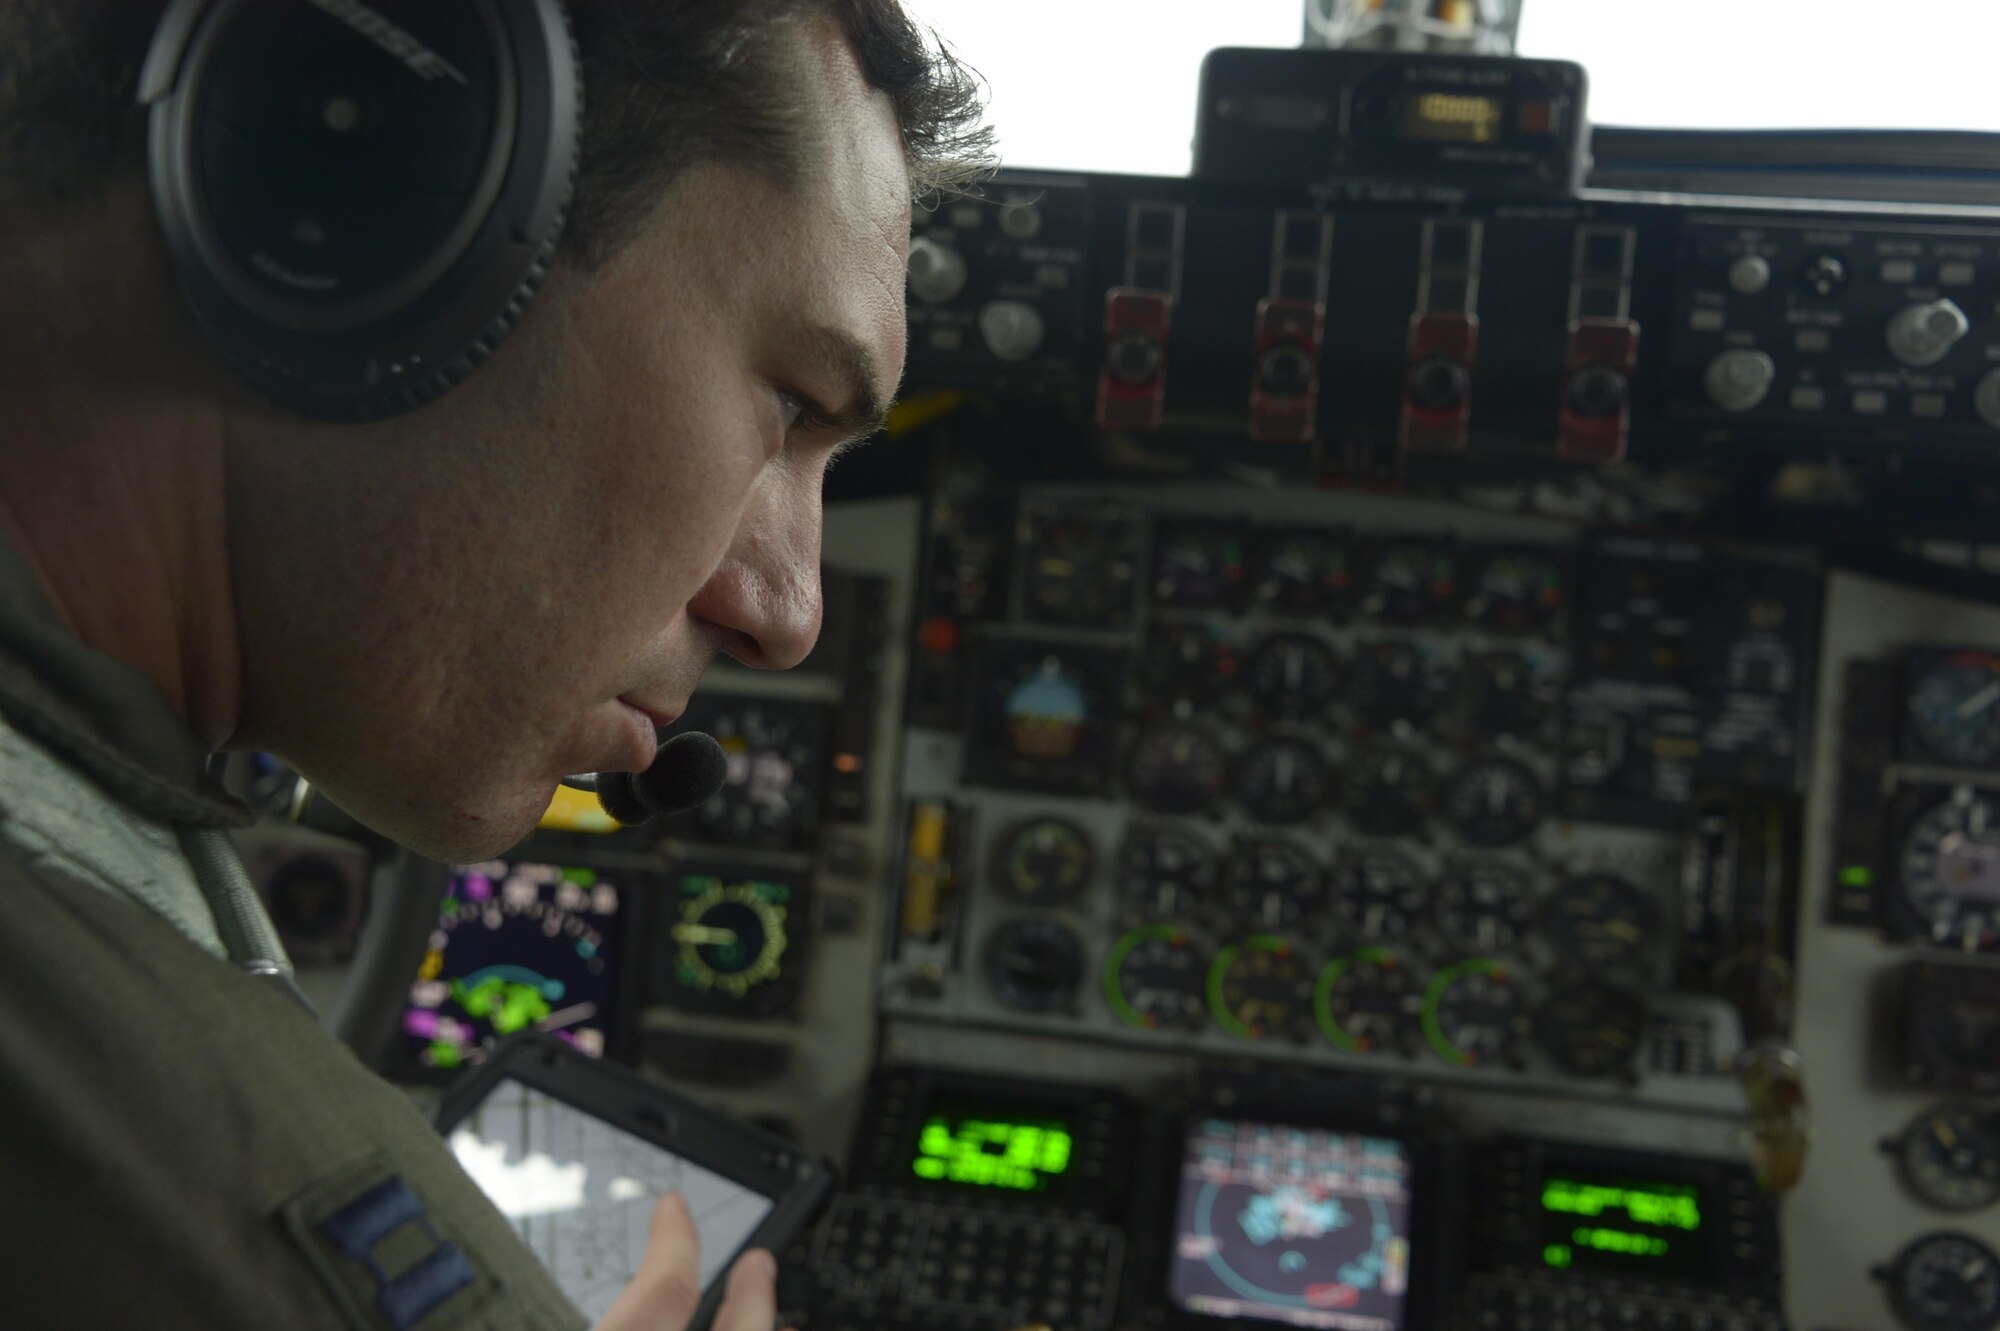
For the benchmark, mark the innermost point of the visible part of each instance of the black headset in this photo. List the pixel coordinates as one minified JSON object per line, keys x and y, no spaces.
{"x":359,"y":208}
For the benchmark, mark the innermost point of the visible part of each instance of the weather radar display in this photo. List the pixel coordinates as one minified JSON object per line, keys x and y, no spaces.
{"x":1294,"y":1225}
{"x":516,"y":946}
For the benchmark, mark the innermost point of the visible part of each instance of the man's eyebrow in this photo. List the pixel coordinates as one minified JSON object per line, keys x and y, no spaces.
{"x":847,"y":359}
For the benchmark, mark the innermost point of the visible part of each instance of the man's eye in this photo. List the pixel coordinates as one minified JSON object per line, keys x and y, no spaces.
{"x":795,"y":410}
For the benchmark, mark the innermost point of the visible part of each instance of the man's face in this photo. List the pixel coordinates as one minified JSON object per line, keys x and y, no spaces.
{"x":443,"y":614}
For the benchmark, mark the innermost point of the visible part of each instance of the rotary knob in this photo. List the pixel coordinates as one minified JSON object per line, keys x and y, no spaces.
{"x":1012,"y":329}
{"x":936,"y":272}
{"x":1922,"y":334}
{"x":1738,"y":380}
{"x":1750,"y":274}
{"x":1986,"y":399}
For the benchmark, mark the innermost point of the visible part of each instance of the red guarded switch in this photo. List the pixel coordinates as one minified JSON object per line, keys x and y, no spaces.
{"x":1133,"y":382}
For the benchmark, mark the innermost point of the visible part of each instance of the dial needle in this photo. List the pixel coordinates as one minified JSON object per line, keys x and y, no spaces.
{"x":702,"y":933}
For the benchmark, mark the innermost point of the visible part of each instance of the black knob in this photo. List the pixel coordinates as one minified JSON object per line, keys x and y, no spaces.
{"x":1134,"y":358}
{"x":1438,"y":383}
{"x":1597,"y":392}
{"x":1285,"y":371}
{"x":1826,"y":274}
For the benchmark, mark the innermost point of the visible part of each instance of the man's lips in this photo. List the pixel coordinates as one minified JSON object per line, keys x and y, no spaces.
{"x":661,"y":716}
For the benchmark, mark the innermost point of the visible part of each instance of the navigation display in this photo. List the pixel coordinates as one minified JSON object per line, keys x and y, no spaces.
{"x":516,"y":946}
{"x":581,"y":1192}
{"x":1295,"y":1225}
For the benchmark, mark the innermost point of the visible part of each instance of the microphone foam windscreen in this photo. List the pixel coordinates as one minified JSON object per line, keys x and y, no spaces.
{"x":687,"y":772}
{"x":615,"y":797}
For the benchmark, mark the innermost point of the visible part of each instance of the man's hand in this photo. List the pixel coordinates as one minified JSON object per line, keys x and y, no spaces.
{"x":663,"y":1295}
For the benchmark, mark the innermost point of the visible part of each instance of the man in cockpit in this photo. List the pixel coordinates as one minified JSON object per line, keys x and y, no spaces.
{"x":433,"y":616}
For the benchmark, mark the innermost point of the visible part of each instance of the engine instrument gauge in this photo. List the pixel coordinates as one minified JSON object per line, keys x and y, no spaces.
{"x":1035,"y":964}
{"x":1292,"y":677}
{"x":1946,"y":1281}
{"x":775,"y":763}
{"x":1410,"y":582}
{"x":1592,"y":1029}
{"x":1155,"y":978}
{"x":1259,"y":987}
{"x":1269,"y":885}
{"x":1949,"y":872}
{"x":1283,"y":780}
{"x":1485,"y":906}
{"x":1044,"y":861}
{"x":1166,"y":874}
{"x":1494,"y":801}
{"x":1303,"y":573}
{"x":1949,"y":1156}
{"x":1185,"y":663}
{"x":1177,"y":767}
{"x":1199,"y":566}
{"x":731,"y":937}
{"x":1515,"y":591}
{"x":1387,"y":791}
{"x":1600,"y":923}
{"x":1369,"y":1000}
{"x":1396,"y":681}
{"x":1044,"y":716}
{"x":1955,"y":709}
{"x":1505,"y":695}
{"x":1475,"y":1014}
{"x":1079,"y":564}
{"x":1378,"y":892}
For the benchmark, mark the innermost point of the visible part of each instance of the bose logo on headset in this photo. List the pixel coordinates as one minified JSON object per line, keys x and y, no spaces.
{"x":370,"y":24}
{"x":355,"y":241}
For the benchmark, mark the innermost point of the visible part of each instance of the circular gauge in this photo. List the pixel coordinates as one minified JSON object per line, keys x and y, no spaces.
{"x":1505,"y":695}
{"x":1270,"y":885}
{"x":1369,"y":1000}
{"x":773,"y":754}
{"x":1410,"y":582}
{"x":1303,"y":573}
{"x":1046,"y":707}
{"x":1155,"y":978}
{"x":1494,"y":801}
{"x":1955,"y":709}
{"x":1378,"y":892}
{"x":1259,"y":987}
{"x":1599,"y":922}
{"x":1199,"y":567}
{"x":1177,"y":767}
{"x":1950,"y":871}
{"x":1167,"y":874}
{"x":1387,"y":791}
{"x":1185,"y":663}
{"x":1078,"y":568}
{"x":1292,"y":677}
{"x":1045,"y":861}
{"x":1283,"y":780}
{"x":1515,"y":591}
{"x":1592,"y":1029}
{"x":1035,"y":964}
{"x":1950,"y":1157}
{"x":1474,"y":1013}
{"x":729,"y":940}
{"x":1946,"y":1281}
{"x":1396,"y":681}
{"x":1484,"y":906}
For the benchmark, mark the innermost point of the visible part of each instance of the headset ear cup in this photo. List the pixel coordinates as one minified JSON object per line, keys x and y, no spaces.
{"x":615,"y":796}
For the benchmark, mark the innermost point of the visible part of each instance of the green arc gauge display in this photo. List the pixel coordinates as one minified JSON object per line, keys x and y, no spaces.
{"x":1473,"y":1013}
{"x":731,"y":936}
{"x":1153,"y":978}
{"x":1258,"y":987}
{"x":1366,"y":1001}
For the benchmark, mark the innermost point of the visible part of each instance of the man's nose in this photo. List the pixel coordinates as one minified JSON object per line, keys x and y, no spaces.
{"x":765,"y":595}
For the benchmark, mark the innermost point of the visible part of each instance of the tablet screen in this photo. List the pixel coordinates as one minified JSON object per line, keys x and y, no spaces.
{"x":1294,"y":1225}
{"x":581,"y":1191}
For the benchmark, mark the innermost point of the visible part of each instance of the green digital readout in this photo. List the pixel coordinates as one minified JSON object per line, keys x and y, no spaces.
{"x":1018,"y":1153}
{"x":1616,"y":1222}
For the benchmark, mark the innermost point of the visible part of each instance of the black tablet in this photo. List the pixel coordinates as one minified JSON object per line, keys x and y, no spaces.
{"x":575,"y":1152}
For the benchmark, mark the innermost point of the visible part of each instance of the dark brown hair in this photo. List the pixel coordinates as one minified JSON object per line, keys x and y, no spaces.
{"x":666,"y":83}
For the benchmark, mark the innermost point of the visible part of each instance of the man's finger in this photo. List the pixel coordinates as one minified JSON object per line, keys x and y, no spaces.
{"x":752,"y":1301}
{"x":668,"y":1284}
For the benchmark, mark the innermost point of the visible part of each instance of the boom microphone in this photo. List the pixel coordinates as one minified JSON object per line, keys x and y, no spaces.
{"x":686,"y":772}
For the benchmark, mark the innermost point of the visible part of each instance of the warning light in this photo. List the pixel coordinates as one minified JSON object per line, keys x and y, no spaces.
{"x":1857,"y":875}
